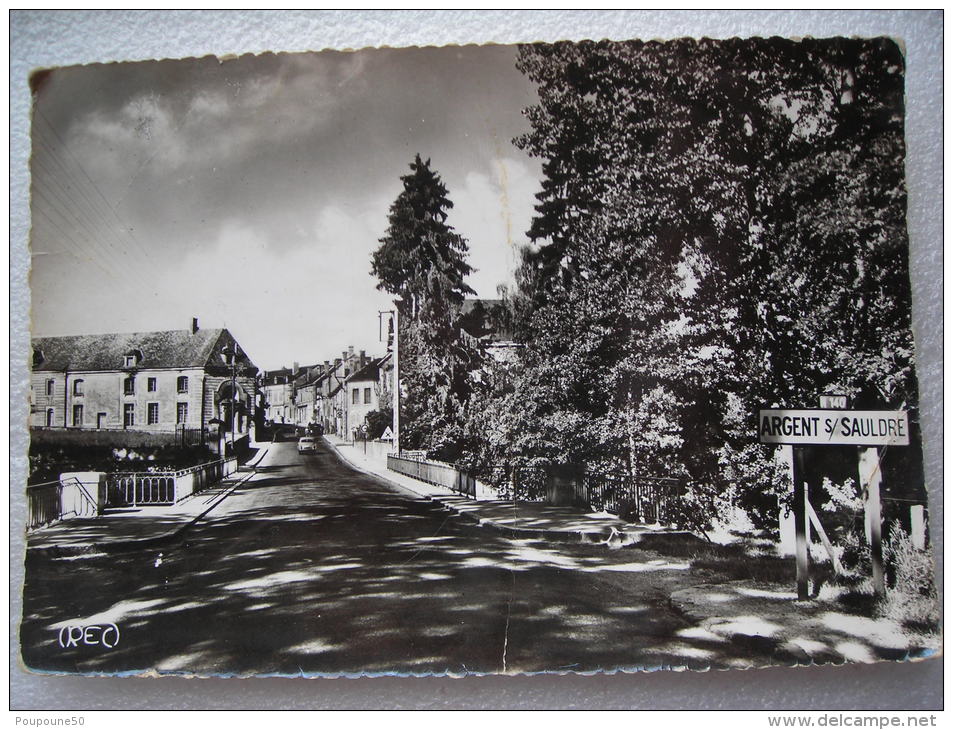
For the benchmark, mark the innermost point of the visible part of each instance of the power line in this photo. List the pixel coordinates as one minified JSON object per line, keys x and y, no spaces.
{"x":125,"y":227}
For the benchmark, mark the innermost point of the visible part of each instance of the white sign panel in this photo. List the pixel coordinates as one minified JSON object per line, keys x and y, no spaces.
{"x":833,"y":427}
{"x":834,"y":401}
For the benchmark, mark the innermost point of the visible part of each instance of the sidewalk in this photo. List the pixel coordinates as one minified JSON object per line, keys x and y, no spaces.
{"x":514,"y":519}
{"x":135,"y":526}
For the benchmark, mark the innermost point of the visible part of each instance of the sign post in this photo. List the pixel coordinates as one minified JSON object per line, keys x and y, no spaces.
{"x":800,"y":524}
{"x":832,"y":426}
{"x":869,"y":468}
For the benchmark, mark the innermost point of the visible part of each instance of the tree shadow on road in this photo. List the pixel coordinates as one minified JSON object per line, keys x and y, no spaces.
{"x":350,"y":578}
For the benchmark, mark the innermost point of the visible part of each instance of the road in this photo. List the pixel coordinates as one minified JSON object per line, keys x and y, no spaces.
{"x":312,"y":567}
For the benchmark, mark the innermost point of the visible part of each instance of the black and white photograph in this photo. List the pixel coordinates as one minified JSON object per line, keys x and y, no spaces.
{"x":566,"y":357}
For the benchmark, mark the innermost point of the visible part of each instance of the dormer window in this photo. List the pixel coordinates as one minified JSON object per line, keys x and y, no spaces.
{"x":131,"y":359}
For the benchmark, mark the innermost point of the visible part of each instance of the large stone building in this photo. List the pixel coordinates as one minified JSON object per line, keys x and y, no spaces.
{"x":148,"y":381}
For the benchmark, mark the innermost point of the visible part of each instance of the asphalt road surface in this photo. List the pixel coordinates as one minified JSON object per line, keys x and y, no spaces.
{"x":311,"y":567}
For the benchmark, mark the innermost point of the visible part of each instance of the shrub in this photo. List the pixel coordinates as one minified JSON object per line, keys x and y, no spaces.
{"x":911,"y":597}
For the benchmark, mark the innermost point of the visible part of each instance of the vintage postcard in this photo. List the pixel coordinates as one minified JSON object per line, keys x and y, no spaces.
{"x":548,"y":358}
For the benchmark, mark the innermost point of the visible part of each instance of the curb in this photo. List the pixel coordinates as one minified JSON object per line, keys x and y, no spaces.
{"x":562,"y":536}
{"x":64,"y":551}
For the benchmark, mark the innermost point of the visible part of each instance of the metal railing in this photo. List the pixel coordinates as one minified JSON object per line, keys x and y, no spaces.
{"x":636,"y":498}
{"x":130,"y":489}
{"x":441,"y":475}
{"x":133,"y":489}
{"x":190,"y":436}
{"x":45,"y":503}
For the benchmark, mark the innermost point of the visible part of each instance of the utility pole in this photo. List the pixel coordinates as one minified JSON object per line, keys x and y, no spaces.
{"x":395,"y":396}
{"x":396,"y":379}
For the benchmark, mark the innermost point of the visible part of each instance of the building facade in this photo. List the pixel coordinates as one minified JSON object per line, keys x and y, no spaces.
{"x":148,"y":381}
{"x":277,"y":387}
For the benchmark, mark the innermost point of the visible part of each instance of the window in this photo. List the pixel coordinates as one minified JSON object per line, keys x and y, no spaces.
{"x":77,"y":415}
{"x":152,"y":414}
{"x":129,"y":415}
{"x":77,"y":387}
{"x":129,"y":386}
{"x":49,"y":417}
{"x":151,"y":385}
{"x":50,"y":384}
{"x":181,"y":412}
{"x":355,"y":396}
{"x":182,"y":384}
{"x":367,"y":395}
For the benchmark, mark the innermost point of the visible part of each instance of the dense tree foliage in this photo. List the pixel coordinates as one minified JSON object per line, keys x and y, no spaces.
{"x":720,"y":228}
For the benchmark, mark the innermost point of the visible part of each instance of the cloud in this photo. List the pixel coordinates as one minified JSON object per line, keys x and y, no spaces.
{"x":493,"y":212}
{"x":306,"y":302}
{"x":221,"y":120}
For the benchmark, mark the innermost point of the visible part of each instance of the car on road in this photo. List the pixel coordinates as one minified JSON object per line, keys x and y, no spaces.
{"x":306,"y":445}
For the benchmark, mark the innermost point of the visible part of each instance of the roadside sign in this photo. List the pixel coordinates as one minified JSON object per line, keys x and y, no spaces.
{"x":834,"y":401}
{"x":833,"y":427}
{"x":388,"y":435}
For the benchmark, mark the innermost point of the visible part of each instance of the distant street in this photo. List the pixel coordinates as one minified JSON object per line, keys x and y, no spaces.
{"x":312,"y":567}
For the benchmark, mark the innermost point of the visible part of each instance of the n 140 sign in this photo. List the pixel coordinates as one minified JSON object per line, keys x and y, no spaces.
{"x":833,"y":427}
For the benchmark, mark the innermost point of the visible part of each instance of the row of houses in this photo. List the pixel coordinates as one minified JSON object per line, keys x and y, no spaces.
{"x":336,"y":395}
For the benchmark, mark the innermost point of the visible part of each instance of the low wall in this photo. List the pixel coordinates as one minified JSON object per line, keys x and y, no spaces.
{"x":376,"y":451}
{"x":118,"y":438}
{"x":190,"y":481}
{"x":77,"y":489}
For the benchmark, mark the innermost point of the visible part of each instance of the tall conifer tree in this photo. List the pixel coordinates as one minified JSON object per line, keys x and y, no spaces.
{"x":422,"y":261}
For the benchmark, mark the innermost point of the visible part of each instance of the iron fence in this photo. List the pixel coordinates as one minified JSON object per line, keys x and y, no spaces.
{"x":190,"y":436}
{"x":133,"y":489}
{"x":441,"y":475}
{"x":635,"y":498}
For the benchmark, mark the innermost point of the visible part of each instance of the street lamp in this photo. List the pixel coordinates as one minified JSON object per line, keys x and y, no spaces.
{"x":230,"y":357}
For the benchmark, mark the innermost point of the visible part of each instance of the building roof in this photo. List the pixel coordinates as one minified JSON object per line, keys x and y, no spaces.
{"x":371,"y":371}
{"x":166,"y":349}
{"x":484,"y":320}
{"x":282,"y":376}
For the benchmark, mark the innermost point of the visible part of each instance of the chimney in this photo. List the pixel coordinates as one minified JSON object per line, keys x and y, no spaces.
{"x":195,"y":325}
{"x":350,"y":350}
{"x":343,"y":355}
{"x":337,"y":361}
{"x":363,"y":358}
{"x":294,"y":367}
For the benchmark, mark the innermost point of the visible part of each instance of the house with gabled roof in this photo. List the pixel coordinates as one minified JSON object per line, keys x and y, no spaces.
{"x":277,"y":387}
{"x":365,"y":391}
{"x":149,"y":381}
{"x":483,"y":321}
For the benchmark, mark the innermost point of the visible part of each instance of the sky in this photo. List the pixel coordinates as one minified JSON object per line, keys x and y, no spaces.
{"x":250,"y":192}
